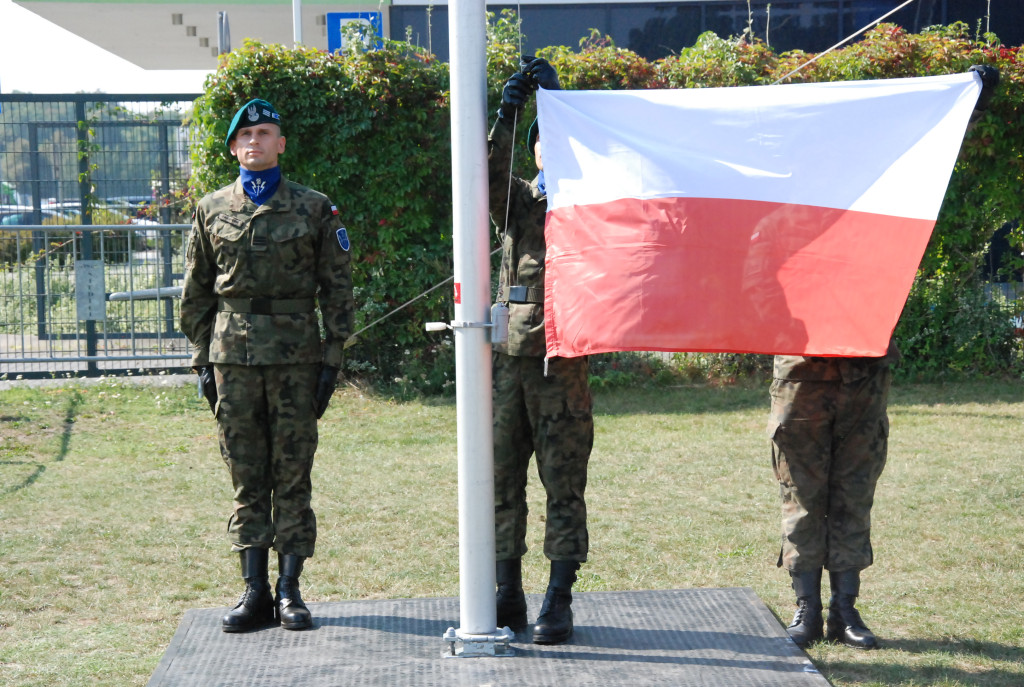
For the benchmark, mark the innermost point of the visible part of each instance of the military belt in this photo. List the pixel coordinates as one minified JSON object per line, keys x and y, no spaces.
{"x":267,"y":306}
{"x":520,"y":294}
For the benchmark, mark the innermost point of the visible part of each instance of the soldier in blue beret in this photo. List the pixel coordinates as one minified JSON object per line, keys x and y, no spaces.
{"x":263,"y":256}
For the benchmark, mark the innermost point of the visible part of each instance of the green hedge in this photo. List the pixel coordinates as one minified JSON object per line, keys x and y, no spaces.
{"x":371,"y":129}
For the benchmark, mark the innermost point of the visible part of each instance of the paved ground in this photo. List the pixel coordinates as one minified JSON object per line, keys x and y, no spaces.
{"x":703,"y":637}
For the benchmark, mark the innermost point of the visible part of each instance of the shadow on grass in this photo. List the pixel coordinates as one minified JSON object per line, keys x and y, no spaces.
{"x":895,"y":674}
{"x":68,"y":423}
{"x":681,"y":400}
{"x":996,"y":652}
{"x":941,"y":669}
{"x":983,"y":391}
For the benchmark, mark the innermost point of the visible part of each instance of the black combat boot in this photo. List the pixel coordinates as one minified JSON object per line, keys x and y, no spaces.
{"x":806,"y":627}
{"x":256,"y":607}
{"x":290,"y":609}
{"x":554,"y":625}
{"x":844,"y":623}
{"x":511,"y":601}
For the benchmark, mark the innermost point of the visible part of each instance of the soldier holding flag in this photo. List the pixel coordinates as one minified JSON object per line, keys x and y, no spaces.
{"x":542,"y":406}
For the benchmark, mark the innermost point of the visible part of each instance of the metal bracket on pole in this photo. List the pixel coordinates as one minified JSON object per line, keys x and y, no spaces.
{"x":498,"y":324}
{"x":441,"y":326}
{"x":461,"y":645}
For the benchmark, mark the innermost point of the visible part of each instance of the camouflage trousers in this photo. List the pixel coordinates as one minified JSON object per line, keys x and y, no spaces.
{"x":829,"y":442}
{"x":550,"y":416}
{"x":268,"y":435}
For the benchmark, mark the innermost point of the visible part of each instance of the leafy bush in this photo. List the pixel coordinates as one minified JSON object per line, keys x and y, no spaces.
{"x":372,"y":130}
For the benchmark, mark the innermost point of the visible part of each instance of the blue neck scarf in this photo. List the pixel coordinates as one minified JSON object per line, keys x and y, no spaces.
{"x":541,"y":186}
{"x":260,"y":186}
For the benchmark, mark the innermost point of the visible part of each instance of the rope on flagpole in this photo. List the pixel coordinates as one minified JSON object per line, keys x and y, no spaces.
{"x":515,"y":122}
{"x":844,"y":41}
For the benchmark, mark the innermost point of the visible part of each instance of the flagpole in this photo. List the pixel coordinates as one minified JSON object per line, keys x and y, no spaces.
{"x":477,"y":634}
{"x":297,"y":23}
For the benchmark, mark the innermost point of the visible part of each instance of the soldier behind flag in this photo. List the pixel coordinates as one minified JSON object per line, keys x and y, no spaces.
{"x":541,"y":406}
{"x":829,"y":431}
{"x":263,"y":255}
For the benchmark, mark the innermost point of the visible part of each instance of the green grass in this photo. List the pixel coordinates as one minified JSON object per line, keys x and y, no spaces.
{"x":114,"y":501}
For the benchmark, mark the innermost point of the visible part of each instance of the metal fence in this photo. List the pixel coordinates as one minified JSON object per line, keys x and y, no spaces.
{"x":92,"y":225}
{"x":68,"y":308}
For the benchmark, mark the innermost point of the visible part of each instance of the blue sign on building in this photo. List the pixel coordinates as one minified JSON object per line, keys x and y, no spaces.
{"x":336,"y":21}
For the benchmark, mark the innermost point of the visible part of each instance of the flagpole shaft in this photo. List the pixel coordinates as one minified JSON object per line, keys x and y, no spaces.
{"x":467,"y":48}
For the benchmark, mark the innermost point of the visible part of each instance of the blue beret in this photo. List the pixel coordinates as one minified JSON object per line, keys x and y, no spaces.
{"x":254,"y":112}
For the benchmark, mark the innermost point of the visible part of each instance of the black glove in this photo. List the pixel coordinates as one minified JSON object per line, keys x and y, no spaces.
{"x":209,"y":385}
{"x":515,"y":94}
{"x":325,"y":389}
{"x":989,"y":81}
{"x":540,"y":72}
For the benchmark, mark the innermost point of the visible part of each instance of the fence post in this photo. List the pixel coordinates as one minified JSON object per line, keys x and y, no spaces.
{"x":84,"y":195}
{"x":38,"y":237}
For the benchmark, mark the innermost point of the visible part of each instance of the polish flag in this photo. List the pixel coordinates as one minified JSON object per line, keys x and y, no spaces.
{"x":765,"y":219}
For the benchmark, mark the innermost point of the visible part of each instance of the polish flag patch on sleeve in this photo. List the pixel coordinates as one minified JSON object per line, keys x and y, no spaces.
{"x":334,"y":210}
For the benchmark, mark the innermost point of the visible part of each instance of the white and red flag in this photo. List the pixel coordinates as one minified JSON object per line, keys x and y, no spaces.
{"x":766,"y":219}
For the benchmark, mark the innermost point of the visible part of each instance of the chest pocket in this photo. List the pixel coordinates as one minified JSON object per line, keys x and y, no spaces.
{"x":294,"y":244}
{"x":227,"y":230}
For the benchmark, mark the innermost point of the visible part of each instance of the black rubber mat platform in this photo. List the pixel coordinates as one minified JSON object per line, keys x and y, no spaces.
{"x":677,"y":637}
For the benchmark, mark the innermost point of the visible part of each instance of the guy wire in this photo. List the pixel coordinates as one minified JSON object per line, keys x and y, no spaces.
{"x":352,"y":339}
{"x":844,"y":41}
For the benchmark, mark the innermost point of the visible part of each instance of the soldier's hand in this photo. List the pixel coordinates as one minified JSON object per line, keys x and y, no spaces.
{"x":541,"y":72}
{"x":209,"y":386}
{"x":989,"y":80}
{"x":517,"y":90}
{"x":325,"y":384}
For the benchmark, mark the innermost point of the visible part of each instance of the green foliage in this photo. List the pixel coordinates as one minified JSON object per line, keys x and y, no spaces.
{"x":372,"y":130}
{"x":946,"y":331}
{"x":716,"y":62}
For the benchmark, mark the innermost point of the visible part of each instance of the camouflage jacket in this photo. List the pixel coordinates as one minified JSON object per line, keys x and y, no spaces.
{"x":287,"y":254}
{"x":796,"y":368}
{"x":522,"y":246}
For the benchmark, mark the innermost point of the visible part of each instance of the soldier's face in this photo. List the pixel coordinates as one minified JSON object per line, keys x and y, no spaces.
{"x":258,"y":147}
{"x":536,"y":154}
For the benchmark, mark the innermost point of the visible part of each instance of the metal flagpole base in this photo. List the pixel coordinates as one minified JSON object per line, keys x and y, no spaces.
{"x":462,"y":645}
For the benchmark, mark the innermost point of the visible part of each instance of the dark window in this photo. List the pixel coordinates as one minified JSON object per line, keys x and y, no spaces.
{"x":663,"y":31}
{"x":656,"y":29}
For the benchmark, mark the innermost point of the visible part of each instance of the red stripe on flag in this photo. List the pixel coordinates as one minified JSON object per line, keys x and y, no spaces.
{"x":698,"y":274}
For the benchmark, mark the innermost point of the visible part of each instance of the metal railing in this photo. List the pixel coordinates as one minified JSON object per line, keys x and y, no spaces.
{"x":90,"y":299}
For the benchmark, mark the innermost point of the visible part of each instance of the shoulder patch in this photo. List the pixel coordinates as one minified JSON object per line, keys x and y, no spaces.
{"x":343,"y":239}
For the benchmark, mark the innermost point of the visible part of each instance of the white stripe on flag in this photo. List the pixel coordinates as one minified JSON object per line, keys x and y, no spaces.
{"x":885,"y":147}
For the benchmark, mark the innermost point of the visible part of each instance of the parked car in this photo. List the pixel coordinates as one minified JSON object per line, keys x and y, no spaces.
{"x":28,"y":216}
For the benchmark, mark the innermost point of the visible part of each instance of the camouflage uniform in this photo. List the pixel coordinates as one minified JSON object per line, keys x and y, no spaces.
{"x":829,"y":432}
{"x":547,"y":414}
{"x":254,"y":277}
